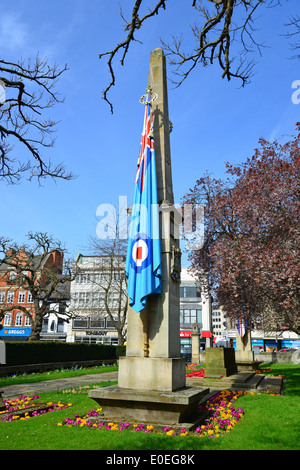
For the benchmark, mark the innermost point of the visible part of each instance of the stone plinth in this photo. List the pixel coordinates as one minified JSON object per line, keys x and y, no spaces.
{"x":195,"y":345}
{"x":245,"y":360}
{"x":179,"y":407}
{"x":244,"y":356}
{"x":220,"y":362}
{"x":151,"y":373}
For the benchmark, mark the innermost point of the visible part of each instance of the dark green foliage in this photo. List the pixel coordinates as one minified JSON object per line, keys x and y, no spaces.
{"x":37,"y":352}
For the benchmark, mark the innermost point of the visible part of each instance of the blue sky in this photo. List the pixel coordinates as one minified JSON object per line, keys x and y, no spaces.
{"x":213,"y":121}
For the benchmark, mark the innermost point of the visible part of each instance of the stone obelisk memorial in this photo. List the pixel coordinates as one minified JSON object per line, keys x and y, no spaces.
{"x":152,"y":382}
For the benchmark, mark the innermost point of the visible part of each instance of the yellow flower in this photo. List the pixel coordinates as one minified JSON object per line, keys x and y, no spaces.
{"x":59,"y":424}
{"x":150,"y":427}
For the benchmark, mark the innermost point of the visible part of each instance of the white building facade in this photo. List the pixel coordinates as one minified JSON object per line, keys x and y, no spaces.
{"x":98,"y":294}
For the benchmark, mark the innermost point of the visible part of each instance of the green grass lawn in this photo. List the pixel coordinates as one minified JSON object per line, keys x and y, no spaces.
{"x":55,"y":374}
{"x":269,"y":423}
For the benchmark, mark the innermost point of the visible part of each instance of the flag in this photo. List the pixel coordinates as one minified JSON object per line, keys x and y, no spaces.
{"x":241,"y":326}
{"x":143,"y":261}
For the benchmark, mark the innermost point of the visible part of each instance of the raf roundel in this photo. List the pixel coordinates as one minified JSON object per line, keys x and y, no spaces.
{"x":140,"y":254}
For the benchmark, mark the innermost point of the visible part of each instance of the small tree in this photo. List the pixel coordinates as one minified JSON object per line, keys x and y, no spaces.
{"x":113,"y":282}
{"x":40,"y":269}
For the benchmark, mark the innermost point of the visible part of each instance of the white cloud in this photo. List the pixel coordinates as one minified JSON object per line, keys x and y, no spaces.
{"x":13,"y":32}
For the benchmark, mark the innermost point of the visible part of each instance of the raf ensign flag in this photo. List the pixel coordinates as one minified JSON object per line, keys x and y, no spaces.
{"x":143,"y":262}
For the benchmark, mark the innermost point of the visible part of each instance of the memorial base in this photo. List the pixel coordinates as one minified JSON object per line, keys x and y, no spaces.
{"x":152,"y":373}
{"x":151,"y":407}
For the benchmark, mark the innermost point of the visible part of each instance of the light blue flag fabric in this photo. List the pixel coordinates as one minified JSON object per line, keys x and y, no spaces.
{"x":143,"y":262}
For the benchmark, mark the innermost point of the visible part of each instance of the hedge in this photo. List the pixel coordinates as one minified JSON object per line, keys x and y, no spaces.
{"x":41,"y":352}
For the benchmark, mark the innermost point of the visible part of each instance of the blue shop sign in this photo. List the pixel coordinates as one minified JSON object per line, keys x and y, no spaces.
{"x":15,"y":332}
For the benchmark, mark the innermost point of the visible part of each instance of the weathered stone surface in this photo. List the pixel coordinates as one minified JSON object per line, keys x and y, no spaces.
{"x":146,"y":373}
{"x":220,"y":362}
{"x":150,"y":406}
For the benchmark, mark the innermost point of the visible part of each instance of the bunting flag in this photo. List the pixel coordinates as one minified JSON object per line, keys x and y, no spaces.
{"x":241,"y":326}
{"x":143,"y":261}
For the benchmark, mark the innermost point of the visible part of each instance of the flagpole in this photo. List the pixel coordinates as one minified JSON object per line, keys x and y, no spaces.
{"x":145,"y":332}
{"x":148,"y":98}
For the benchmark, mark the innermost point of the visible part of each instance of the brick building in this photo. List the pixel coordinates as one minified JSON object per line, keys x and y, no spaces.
{"x":14,"y":294}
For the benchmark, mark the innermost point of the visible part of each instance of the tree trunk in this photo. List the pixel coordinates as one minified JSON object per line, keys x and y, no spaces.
{"x":36,"y":323}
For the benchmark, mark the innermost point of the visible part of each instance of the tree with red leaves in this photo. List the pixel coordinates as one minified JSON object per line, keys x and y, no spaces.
{"x":250,"y":254}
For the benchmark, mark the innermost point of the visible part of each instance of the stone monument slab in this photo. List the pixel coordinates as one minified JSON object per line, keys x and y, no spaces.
{"x":150,"y":406}
{"x":220,"y":362}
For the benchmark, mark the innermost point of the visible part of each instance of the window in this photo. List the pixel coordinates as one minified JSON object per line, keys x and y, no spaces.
{"x":95,"y":299}
{"x":109,"y":323}
{"x":83,"y":300}
{"x":188,"y":291}
{"x":60,"y":325}
{"x":27,"y":321}
{"x":190,"y":315}
{"x":80,"y":322}
{"x":7,"y":319}
{"x":19,"y":319}
{"x":45,"y":325}
{"x":12,"y":275}
{"x":97,"y":323}
{"x":29,"y":298}
{"x":2,"y":296}
{"x":21,"y":297}
{"x":10,"y":297}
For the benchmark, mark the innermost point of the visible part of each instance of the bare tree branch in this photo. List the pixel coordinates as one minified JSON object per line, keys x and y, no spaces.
{"x":28,"y":91}
{"x":131,"y":26}
{"x":294,"y":24}
{"x":224,"y":25}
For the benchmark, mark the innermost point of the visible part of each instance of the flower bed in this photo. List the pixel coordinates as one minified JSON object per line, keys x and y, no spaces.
{"x":222,"y":417}
{"x":25,"y":407}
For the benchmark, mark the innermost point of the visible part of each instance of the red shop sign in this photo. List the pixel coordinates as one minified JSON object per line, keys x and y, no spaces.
{"x":185,"y":334}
